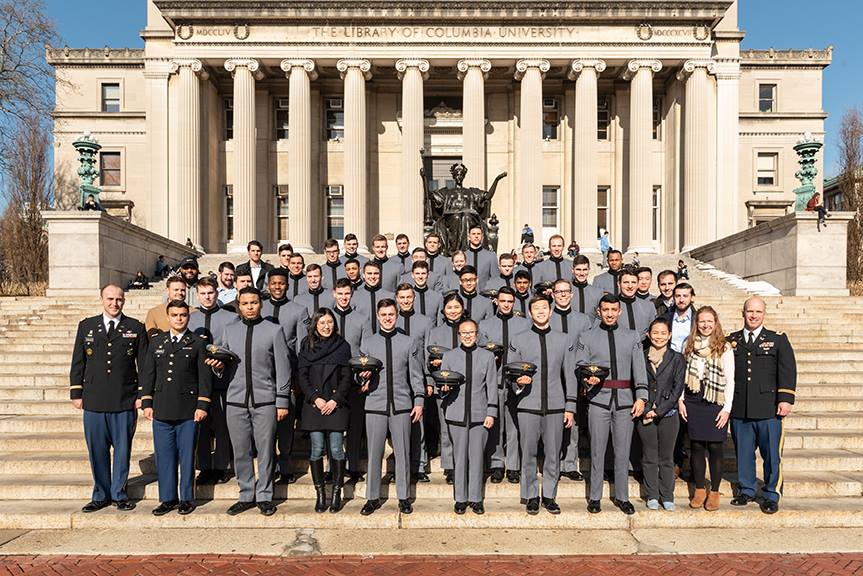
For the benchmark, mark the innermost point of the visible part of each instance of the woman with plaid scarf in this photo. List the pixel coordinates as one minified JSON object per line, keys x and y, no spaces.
{"x":706,"y":402}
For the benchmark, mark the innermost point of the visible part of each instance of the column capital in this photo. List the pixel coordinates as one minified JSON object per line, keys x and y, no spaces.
{"x":307,"y":64}
{"x":193,"y":63}
{"x":253,"y":65}
{"x":691,"y":65}
{"x":421,"y":64}
{"x":522,"y":66}
{"x":633,"y":66}
{"x":466,"y":64}
{"x":580,"y":64}
{"x":364,"y":65}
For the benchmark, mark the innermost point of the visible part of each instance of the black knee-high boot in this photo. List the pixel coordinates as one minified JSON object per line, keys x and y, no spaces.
{"x":317,"y":468}
{"x":338,"y":467}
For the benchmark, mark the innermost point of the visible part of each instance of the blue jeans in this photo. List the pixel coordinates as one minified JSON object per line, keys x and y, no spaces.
{"x":337,"y":451}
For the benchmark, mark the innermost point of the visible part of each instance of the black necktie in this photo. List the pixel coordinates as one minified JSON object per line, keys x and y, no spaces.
{"x":111,"y":325}
{"x":751,"y":339}
{"x":174,"y":339}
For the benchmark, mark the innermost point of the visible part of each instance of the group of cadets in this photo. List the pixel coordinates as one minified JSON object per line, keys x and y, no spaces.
{"x":483,"y":361}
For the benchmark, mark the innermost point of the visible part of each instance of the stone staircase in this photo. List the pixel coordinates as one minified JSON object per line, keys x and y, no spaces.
{"x":45,"y":478}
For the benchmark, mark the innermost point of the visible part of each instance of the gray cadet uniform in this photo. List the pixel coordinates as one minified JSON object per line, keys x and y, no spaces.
{"x":529,"y":268}
{"x":296,"y":285}
{"x":428,"y":302}
{"x":214,"y":442}
{"x":476,"y":307}
{"x":393,"y":393}
{"x":331,"y":272}
{"x":439,"y":264}
{"x":636,"y":314}
{"x":294,"y":320}
{"x":573,"y":324}
{"x":312,"y":301}
{"x":434,"y":280}
{"x":503,"y":438}
{"x":258,"y":385}
{"x":485,"y":262}
{"x":552,"y":269}
{"x":499,"y":281}
{"x":466,"y":408}
{"x":541,"y":405}
{"x":365,"y":301}
{"x":416,"y":326}
{"x":620,"y":350}
{"x":585,"y":298}
{"x":607,"y":282}
{"x":391,"y":271}
{"x":355,"y":329}
{"x":446,"y":335}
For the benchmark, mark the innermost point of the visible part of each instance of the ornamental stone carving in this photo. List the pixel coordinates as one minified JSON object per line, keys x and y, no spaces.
{"x":578,"y":65}
{"x":365,"y":66}
{"x":690,"y":65}
{"x":193,"y":63}
{"x":633,"y":66}
{"x":306,"y":64}
{"x":250,"y":63}
{"x":404,"y":63}
{"x":522,"y":66}
{"x":466,"y":64}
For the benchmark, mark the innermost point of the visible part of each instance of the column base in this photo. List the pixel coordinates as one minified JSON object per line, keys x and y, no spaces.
{"x":303,"y":248}
{"x":234,"y":248}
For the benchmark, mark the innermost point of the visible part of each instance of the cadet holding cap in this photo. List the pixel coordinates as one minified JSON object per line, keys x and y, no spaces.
{"x":470,"y":410}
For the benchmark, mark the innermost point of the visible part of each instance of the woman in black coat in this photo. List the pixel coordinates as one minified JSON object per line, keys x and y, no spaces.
{"x":325,"y":379}
{"x":659,"y":426}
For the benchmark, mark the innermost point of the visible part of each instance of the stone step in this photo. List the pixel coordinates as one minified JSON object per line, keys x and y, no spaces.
{"x":25,"y":345}
{"x":816,"y":390}
{"x":828,"y":405}
{"x":823,"y":439}
{"x":501,"y":514}
{"x":848,"y":421}
{"x":33,"y":393}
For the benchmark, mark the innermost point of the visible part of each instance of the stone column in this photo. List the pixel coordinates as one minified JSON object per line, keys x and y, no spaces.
{"x":585,"y":73}
{"x":300,"y":72}
{"x":640,"y":72}
{"x":184,"y":210}
{"x":473,"y":73}
{"x":156,"y":74}
{"x":245,"y":72}
{"x":355,"y":72}
{"x":412,"y":72}
{"x":697,"y":210}
{"x":529,"y":196}
{"x":727,"y":147}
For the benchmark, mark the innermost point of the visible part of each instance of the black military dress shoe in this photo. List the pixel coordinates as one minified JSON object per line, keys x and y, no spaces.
{"x":164,"y":508}
{"x":447,"y":475}
{"x":95,"y":505}
{"x":240,"y":507}
{"x":286,"y":478}
{"x":206,"y":477}
{"x":574,"y":475}
{"x":594,"y":507}
{"x":625,"y":506}
{"x":222,"y":476}
{"x":355,"y":476}
{"x":513,"y":476}
{"x":405,"y":507}
{"x":478,"y":508}
{"x":550,"y":505}
{"x":769,"y":507}
{"x":266,"y":508}
{"x":460,"y":507}
{"x":370,"y":506}
{"x":185,"y":508}
{"x":532,"y":506}
{"x":496,"y":475}
{"x":742,"y":500}
{"x":124,"y":505}
{"x":421,"y":477}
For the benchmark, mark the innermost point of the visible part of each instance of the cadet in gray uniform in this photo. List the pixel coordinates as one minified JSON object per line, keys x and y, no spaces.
{"x":394,"y":400}
{"x":294,"y":320}
{"x":607,"y":281}
{"x":546,"y":403}
{"x":366,"y":297}
{"x":528,"y":261}
{"x":483,"y":260}
{"x":635,"y":313}
{"x":351,"y":245}
{"x":433,"y":279}
{"x":476,"y":306}
{"x":573,"y":324}
{"x":332,"y":268}
{"x":556,"y":266}
{"x":355,"y":328}
{"x":214,"y":444}
{"x":259,"y":393}
{"x":585,"y":297}
{"x":316,"y":296}
{"x":470,"y":411}
{"x":391,"y":268}
{"x":437,"y":262}
{"x":505,"y":277}
{"x":615,"y":402}
{"x":503,"y":438}
{"x":428,"y":298}
{"x":296,"y":278}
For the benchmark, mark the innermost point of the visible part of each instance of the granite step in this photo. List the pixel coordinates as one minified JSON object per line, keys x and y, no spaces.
{"x":837,"y":421}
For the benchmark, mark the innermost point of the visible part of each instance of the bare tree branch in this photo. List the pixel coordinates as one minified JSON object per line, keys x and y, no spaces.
{"x":851,"y":184}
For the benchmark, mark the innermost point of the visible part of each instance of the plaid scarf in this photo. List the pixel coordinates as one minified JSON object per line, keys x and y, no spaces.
{"x":704,"y":372}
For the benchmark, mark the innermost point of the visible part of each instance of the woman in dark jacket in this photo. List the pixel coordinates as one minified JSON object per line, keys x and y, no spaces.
{"x":325,"y":380}
{"x":659,"y":425}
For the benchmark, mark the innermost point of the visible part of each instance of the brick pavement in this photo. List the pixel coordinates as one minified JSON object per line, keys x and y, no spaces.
{"x":644,"y":565}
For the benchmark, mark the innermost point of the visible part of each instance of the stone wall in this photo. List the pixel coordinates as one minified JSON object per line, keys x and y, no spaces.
{"x":87,"y":250}
{"x":788,"y":252}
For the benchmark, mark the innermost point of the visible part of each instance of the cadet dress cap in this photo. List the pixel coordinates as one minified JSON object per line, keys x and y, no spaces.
{"x":436,"y":352}
{"x":278,"y":272}
{"x":541,"y":287}
{"x":517,"y":369}
{"x":448,"y":377}
{"x":365,"y":362}
{"x":221,"y":354}
{"x":490,"y":293}
{"x":593,"y":370}
{"x":189,"y":262}
{"x":494,"y":348}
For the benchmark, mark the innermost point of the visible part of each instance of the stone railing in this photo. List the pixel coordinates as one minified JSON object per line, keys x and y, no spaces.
{"x":87,"y":250}
{"x":788,"y":252}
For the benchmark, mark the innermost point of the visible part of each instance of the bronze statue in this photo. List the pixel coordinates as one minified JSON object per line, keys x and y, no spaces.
{"x":454,"y":211}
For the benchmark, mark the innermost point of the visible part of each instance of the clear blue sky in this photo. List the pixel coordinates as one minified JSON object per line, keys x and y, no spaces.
{"x":776,"y":23}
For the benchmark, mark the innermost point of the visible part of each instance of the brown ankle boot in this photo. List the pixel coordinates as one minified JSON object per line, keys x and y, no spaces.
{"x":712,"y":501}
{"x":698,"y":498}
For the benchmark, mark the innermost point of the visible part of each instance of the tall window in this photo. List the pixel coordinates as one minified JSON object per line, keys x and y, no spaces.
{"x":110,"y":169}
{"x":550,"y":206}
{"x":767,"y":168}
{"x":550,"y":118}
{"x":281,"y":112}
{"x":657,"y":117}
{"x":280,"y":195}
{"x":767,"y":97}
{"x":229,"y":212}
{"x":228,"y":119}
{"x":603,"y":116}
{"x":657,"y":212}
{"x":602,"y":200}
{"x":335,"y":212}
{"x":110,"y":97}
{"x":335,"y":119}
